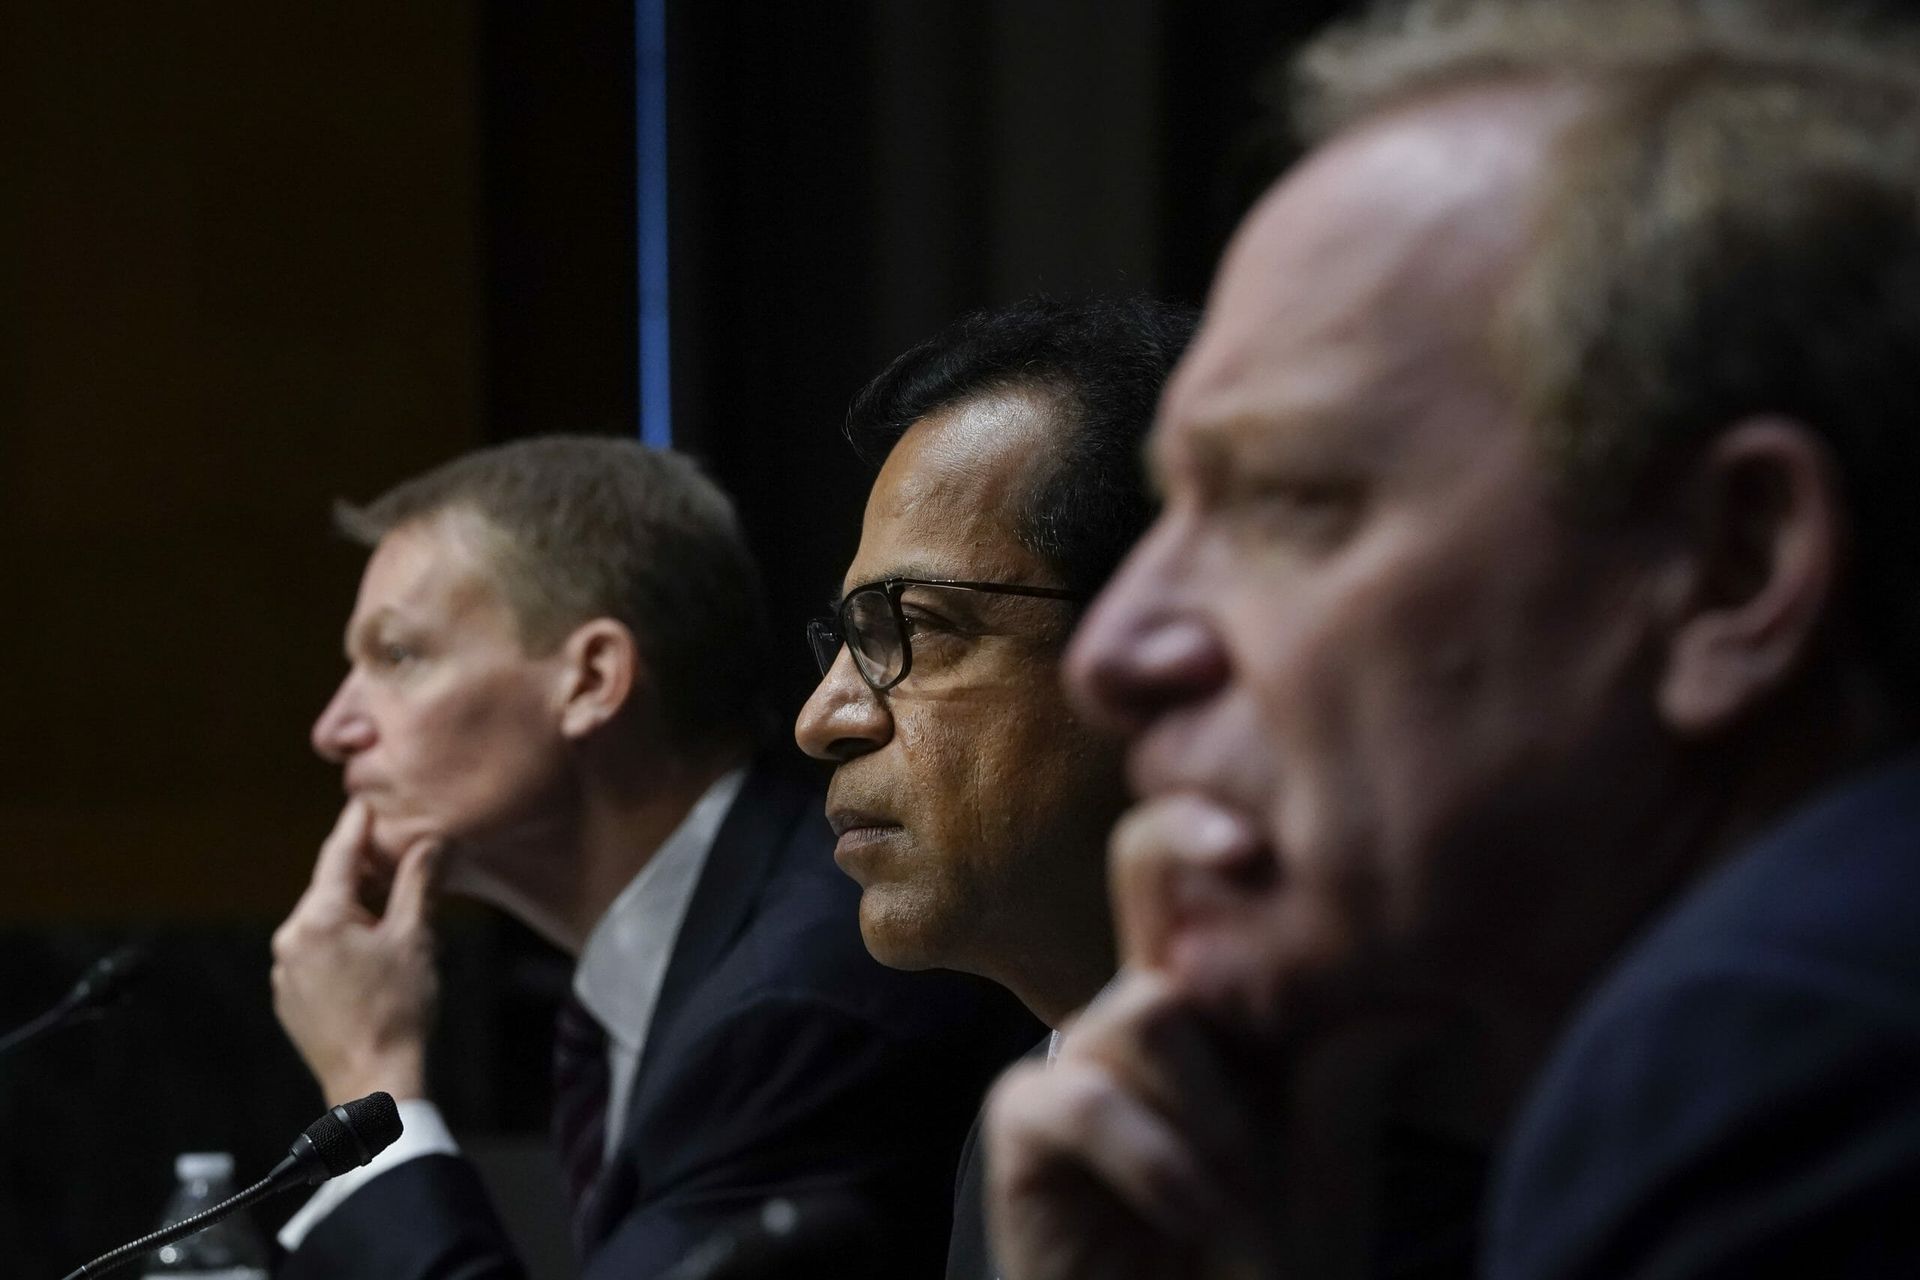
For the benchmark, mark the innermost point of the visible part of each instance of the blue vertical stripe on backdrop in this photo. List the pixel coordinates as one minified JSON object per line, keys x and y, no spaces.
{"x":650,"y":136}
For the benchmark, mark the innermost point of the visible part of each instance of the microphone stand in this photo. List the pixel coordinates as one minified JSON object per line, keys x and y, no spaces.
{"x":52,"y":1020}
{"x":347,"y":1137}
{"x":103,"y":985}
{"x":180,"y":1230}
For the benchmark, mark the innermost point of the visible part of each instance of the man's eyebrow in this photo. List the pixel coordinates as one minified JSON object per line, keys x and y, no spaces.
{"x":1212,"y":453}
{"x":359,"y":628}
{"x":911,"y":569}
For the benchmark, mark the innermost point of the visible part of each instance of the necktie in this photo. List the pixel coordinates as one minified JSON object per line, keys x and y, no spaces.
{"x":579,"y":1097}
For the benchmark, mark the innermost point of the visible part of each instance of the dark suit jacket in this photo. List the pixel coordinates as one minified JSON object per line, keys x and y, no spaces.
{"x":782,"y":1061}
{"x":969,"y":1254}
{"x":1741,"y":1098}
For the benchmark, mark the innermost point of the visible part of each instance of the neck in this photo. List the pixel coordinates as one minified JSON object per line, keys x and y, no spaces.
{"x":567,"y":873}
{"x":1710,"y":803}
{"x":623,"y":828}
{"x":1057,"y":983}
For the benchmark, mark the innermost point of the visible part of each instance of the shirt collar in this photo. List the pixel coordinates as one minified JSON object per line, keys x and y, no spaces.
{"x":625,"y":959}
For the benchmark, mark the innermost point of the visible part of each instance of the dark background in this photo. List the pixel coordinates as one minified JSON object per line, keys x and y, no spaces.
{"x":258,"y":257}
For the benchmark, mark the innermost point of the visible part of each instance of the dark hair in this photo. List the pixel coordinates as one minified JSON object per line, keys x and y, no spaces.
{"x":1106,"y":361}
{"x":583,"y":527}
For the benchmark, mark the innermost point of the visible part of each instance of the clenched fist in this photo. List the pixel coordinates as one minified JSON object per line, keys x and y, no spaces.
{"x":354,"y":985}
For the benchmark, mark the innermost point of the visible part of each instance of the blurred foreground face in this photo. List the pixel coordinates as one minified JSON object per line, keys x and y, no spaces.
{"x":1383,"y":697}
{"x":971,"y":804}
{"x":444,"y":724}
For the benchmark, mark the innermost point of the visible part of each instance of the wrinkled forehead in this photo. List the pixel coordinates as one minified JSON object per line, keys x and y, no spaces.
{"x":949,"y":500}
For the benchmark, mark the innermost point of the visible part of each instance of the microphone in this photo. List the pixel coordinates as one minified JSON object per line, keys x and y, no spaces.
{"x":347,"y":1137}
{"x":820,"y":1236}
{"x":102,"y":987}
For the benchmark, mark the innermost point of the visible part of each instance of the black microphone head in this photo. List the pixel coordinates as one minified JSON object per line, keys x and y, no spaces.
{"x":111,"y":978}
{"x":354,"y":1132}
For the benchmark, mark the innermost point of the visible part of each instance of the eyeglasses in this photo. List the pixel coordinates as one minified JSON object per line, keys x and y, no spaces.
{"x":872,"y":626}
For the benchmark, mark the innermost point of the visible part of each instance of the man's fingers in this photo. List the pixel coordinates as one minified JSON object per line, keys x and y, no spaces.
{"x":1145,"y":1037}
{"x":1075,"y":1112}
{"x":1171,"y":857}
{"x":344,"y":852}
{"x":415,"y":885}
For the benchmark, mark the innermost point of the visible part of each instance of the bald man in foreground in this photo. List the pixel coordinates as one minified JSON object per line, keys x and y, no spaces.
{"x":1521,"y":679}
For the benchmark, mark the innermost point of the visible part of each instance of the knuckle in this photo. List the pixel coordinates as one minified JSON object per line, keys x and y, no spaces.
{"x":1012,"y":1100}
{"x":1129,"y":835}
{"x":1083,"y":1099}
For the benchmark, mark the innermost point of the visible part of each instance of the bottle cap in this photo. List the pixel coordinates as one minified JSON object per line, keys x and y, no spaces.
{"x":195,"y":1166}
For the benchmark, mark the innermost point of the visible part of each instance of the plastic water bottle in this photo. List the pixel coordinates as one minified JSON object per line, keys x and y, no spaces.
{"x":230,"y":1249}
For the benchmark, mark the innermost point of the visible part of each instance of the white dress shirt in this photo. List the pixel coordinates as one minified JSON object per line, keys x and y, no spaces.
{"x":618,"y":979}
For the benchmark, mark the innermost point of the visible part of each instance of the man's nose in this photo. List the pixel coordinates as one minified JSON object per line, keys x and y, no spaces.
{"x":844,"y":718}
{"x":343,"y":727}
{"x":1147,"y":645}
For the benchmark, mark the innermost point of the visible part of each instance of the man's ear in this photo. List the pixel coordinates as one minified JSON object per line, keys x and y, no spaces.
{"x":1767,"y":535}
{"x":600,"y":668}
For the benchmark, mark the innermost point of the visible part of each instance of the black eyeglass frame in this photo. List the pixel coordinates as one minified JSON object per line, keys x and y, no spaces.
{"x":834,"y":626}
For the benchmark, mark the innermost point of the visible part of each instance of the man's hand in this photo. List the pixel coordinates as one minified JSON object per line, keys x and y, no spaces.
{"x":356,"y":990}
{"x":1216,"y":1111}
{"x":1129,"y":1155}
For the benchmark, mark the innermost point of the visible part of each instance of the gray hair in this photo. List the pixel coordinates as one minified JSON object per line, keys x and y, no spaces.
{"x":1732,"y":229}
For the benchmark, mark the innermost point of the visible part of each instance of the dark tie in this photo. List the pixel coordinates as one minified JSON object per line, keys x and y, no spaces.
{"x":579,"y":1097}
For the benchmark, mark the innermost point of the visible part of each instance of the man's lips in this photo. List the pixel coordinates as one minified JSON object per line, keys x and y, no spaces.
{"x":844,"y":821}
{"x":858,"y":830}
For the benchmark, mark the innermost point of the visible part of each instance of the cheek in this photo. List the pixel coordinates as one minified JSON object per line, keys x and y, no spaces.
{"x":996,"y":771}
{"x":1417,"y":711}
{"x":1359,"y":701}
{"x":951,"y":755}
{"x":494,"y":755}
{"x":1314,"y":678}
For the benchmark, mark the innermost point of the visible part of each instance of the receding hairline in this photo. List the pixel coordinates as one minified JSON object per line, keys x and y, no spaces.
{"x":1038,"y":412}
{"x":1463,"y":180}
{"x":493,"y":552}
{"x":1036,"y":397}
{"x":1402,"y":51}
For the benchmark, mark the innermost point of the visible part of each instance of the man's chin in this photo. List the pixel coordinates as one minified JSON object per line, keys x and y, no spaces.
{"x":894,"y":938}
{"x":389,"y":841}
{"x":391,"y":837}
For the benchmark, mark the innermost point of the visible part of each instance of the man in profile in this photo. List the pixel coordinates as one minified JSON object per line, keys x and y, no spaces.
{"x":971,"y":803}
{"x":551,"y":705}
{"x":1530,"y":642}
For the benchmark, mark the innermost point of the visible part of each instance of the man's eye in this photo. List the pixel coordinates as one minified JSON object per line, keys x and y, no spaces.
{"x":395,"y":655}
{"x":920,"y":622}
{"x":1316,"y":515}
{"x":930,"y":635}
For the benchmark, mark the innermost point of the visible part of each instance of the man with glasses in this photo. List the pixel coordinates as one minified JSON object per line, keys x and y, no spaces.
{"x":550,"y":706}
{"x":970,"y":802}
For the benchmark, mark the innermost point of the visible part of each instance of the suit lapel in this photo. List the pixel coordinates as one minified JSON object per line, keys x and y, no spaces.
{"x":756,"y":827}
{"x":753,"y":831}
